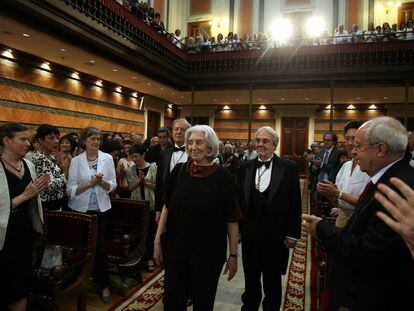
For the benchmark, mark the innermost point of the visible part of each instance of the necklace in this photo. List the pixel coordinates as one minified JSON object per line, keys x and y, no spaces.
{"x":15,"y":168}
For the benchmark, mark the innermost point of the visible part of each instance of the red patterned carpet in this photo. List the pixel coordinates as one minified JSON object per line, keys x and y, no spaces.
{"x":298,"y":292}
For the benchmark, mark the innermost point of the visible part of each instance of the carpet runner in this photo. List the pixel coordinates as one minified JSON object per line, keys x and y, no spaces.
{"x":297,"y":291}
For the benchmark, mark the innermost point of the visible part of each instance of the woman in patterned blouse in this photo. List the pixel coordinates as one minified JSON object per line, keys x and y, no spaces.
{"x":46,"y":163}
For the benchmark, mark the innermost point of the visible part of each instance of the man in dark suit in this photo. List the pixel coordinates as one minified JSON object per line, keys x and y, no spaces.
{"x":154,"y":152}
{"x":271,"y":203}
{"x":327,"y":159}
{"x":169,"y":158}
{"x":371,"y":266}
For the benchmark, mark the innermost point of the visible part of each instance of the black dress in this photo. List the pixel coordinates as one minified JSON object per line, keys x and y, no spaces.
{"x":199,"y":209}
{"x":16,"y":255}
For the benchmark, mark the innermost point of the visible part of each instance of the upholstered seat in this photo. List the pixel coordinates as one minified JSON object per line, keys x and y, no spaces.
{"x":76,"y":234}
{"x":126,"y":234}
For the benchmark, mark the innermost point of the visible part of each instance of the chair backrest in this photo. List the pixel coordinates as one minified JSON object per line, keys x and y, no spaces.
{"x":129,"y":213}
{"x":73,"y":230}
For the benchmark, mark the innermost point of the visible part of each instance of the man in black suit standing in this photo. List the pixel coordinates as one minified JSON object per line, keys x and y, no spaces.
{"x":154,"y":153}
{"x":371,"y":266}
{"x":327,"y":159}
{"x":271,"y":202}
{"x":169,"y":158}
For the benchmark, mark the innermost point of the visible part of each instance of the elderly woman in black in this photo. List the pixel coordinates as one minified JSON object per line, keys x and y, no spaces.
{"x":199,"y":214}
{"x":20,"y":214}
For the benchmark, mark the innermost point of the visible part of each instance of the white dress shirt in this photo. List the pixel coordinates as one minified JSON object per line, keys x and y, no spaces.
{"x":265,"y":175}
{"x":412,"y":159}
{"x":351,"y":182}
{"x":381,"y":172}
{"x":178,"y":157}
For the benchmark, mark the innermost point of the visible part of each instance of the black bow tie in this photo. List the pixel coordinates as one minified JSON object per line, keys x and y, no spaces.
{"x":179,"y":149}
{"x":259,"y":164}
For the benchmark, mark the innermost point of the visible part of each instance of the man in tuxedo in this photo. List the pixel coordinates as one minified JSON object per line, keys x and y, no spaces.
{"x":169,"y":158}
{"x":371,"y":266}
{"x":271,"y":203}
{"x":154,"y":152}
{"x":327,"y":159}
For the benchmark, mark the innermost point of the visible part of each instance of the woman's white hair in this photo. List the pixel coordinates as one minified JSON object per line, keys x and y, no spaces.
{"x":271,"y":131}
{"x":388,"y":131}
{"x":210,"y":137}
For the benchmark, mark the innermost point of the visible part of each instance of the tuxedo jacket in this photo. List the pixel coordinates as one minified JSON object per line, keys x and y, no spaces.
{"x":283,"y":209}
{"x":163,"y":172}
{"x":372,"y":268}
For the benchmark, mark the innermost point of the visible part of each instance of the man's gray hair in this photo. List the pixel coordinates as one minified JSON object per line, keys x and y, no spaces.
{"x":271,"y":131}
{"x":388,"y":131}
{"x":210,"y":137}
{"x":181,"y":120}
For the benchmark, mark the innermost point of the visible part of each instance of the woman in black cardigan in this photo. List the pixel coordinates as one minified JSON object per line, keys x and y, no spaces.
{"x":200,"y":213}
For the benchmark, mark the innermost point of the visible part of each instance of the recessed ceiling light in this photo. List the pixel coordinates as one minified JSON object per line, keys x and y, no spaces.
{"x":282,"y":98}
{"x":162,"y":89}
{"x":181,"y":96}
{"x":170,"y":106}
{"x":385,"y":97}
{"x":8,"y":53}
{"x":172,"y":93}
{"x":115,"y":70}
{"x":372,"y":107}
{"x":99,"y":82}
{"x":92,"y":61}
{"x":262,"y":107}
{"x":236,"y":99}
{"x":358,"y":98}
{"x":26,"y":35}
{"x":134,"y":94}
{"x":215,"y":100}
{"x":75,"y":75}
{"x":63,"y":50}
{"x":148,"y":83}
{"x":118,"y":89}
{"x":45,"y":65}
{"x":307,"y":98}
{"x":351,"y":107}
{"x":134,"y":77}
{"x":259,"y":99}
{"x":226,"y":107}
{"x":328,"y":107}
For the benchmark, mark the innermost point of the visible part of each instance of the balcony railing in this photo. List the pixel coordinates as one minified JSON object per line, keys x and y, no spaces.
{"x":114,"y":16}
{"x":278,"y":60}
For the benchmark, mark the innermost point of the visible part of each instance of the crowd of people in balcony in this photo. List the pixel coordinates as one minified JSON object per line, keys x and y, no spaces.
{"x":234,"y":42}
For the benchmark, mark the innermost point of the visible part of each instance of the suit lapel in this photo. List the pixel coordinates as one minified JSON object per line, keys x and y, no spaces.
{"x":167,"y":160}
{"x":248,"y":179}
{"x":276,"y":178}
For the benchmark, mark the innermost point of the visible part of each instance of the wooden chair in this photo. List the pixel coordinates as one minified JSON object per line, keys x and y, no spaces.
{"x":127,"y":231}
{"x":77,"y":234}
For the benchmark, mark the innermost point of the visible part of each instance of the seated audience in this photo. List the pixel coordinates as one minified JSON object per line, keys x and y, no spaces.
{"x":53,"y":197}
{"x":91,"y":178}
{"x":141,"y":182}
{"x":372,"y":268}
{"x":20,"y":215}
{"x":196,"y":228}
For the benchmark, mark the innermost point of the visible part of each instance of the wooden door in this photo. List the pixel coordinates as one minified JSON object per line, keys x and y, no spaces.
{"x":294,"y":140}
{"x":153,"y":119}
{"x":405,"y":12}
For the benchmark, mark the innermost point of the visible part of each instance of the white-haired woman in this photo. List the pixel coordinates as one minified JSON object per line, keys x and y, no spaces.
{"x":200,"y":213}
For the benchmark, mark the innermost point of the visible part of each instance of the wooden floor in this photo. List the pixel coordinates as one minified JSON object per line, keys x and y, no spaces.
{"x":94,"y":302}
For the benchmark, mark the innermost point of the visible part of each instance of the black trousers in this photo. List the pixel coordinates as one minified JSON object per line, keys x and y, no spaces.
{"x":255,"y":265}
{"x":181,"y":276}
{"x":100,"y":268}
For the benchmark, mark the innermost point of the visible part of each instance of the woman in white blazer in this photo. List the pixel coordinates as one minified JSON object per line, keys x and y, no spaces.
{"x":90,"y":180}
{"x":20,"y":215}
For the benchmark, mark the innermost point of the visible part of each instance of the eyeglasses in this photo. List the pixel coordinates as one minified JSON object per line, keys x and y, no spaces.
{"x":358,"y":146}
